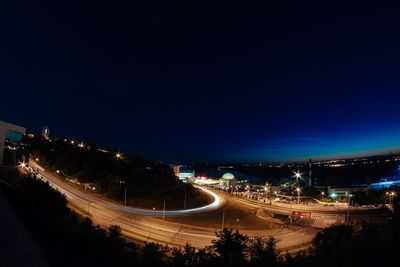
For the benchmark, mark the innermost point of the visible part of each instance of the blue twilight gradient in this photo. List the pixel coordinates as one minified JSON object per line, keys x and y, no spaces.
{"x":191,"y":83}
{"x":326,"y":147}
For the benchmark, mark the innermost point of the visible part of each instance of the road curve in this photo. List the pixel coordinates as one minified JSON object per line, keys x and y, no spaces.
{"x":329,"y":213}
{"x":135,"y":225}
{"x":67,"y":190}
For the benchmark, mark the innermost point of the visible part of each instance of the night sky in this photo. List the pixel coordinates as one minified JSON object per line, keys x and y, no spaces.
{"x":190,"y":82}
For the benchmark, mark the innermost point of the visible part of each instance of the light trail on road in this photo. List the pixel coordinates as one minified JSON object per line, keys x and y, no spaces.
{"x":139,"y":225}
{"x":67,"y":189}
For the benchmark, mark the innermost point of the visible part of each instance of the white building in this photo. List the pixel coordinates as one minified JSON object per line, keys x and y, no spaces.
{"x":9,"y":133}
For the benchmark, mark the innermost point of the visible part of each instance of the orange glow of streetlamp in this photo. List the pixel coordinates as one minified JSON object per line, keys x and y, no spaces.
{"x":118,"y":155}
{"x":22,"y":164}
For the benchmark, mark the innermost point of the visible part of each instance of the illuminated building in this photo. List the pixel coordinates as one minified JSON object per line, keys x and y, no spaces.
{"x":12,"y":150}
{"x":227,"y":180}
{"x":183,"y":173}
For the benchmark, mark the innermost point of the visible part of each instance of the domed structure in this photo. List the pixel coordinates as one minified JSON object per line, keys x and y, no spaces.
{"x":228,"y":176}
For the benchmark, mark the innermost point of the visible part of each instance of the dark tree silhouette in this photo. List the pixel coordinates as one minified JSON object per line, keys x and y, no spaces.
{"x":263,"y":252}
{"x":230,"y":247}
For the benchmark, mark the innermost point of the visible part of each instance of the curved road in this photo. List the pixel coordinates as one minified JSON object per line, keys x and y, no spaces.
{"x":72,"y":192}
{"x":328,"y":213}
{"x":134,"y":224}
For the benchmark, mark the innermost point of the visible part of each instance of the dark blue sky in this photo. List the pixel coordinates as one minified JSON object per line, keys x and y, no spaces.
{"x":187,"y":82}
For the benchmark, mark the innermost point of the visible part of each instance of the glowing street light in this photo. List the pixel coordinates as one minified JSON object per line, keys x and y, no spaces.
{"x":297,"y":175}
{"x":322,"y":193}
{"x":118,"y":155}
{"x":23,"y":164}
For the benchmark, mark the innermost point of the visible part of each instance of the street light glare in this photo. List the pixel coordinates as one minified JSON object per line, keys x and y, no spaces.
{"x":22,"y":164}
{"x":297,"y":175}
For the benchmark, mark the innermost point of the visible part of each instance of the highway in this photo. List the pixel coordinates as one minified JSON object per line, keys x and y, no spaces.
{"x":330,"y":213}
{"x":77,"y":194}
{"x":139,"y":224}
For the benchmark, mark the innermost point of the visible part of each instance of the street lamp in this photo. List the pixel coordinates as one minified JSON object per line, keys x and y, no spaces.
{"x":163,"y":211}
{"x":123,"y":182}
{"x":118,"y":155}
{"x":298,"y":190}
{"x":23,"y":164}
{"x":391,"y":195}
{"x":297,"y":175}
{"x":322,"y":194}
{"x":266,"y":188}
{"x":348,"y":207}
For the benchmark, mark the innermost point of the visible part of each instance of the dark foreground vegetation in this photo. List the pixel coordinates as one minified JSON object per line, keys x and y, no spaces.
{"x":69,"y":240}
{"x":144,"y":180}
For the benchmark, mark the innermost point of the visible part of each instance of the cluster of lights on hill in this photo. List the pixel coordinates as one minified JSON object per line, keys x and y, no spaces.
{"x":81,"y":145}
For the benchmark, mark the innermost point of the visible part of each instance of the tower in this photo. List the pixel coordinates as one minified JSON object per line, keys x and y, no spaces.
{"x":45,"y":132}
{"x":310,"y":179}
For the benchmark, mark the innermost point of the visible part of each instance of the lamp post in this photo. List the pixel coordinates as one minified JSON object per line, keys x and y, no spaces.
{"x":184,"y":204}
{"x":322,"y":194}
{"x":386,"y":196}
{"x":223,"y":219}
{"x":124,"y":191}
{"x":391,"y":195}
{"x":124,"y":183}
{"x":163,"y":211}
{"x":348,"y":208}
{"x":266,"y":188}
{"x":298,"y":190}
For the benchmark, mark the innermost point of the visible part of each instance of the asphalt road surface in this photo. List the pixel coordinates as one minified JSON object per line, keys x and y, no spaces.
{"x":138,"y":225}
